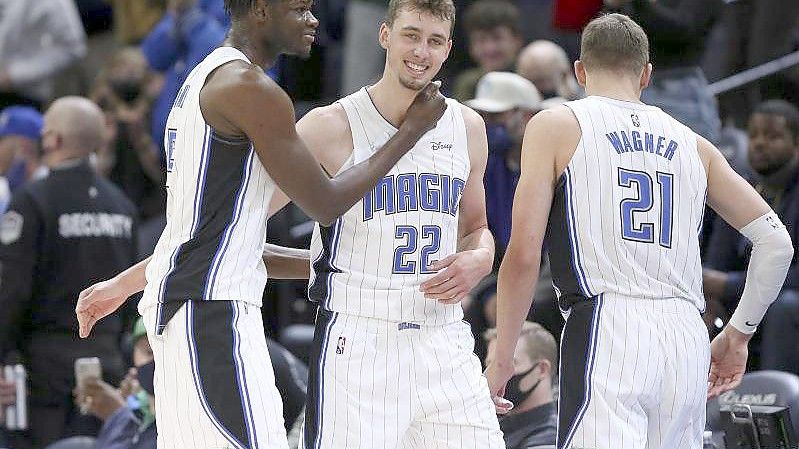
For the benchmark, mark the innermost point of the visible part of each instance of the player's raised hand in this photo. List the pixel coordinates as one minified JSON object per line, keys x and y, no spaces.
{"x":498,"y":377}
{"x":728,"y":353}
{"x":97,"y":302}
{"x":457,"y":275}
{"x":426,"y":109}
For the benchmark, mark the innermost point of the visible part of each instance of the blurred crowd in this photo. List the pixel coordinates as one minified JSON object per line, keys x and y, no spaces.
{"x":510,"y":60}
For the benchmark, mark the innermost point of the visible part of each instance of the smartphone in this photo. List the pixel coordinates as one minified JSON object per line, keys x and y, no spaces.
{"x":85,"y":368}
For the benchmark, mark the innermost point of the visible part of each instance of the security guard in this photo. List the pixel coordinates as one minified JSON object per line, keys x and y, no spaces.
{"x":60,"y":235}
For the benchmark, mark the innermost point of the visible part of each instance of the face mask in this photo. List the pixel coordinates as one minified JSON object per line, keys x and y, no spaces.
{"x":513,"y":391}
{"x":126,"y":89}
{"x":499,"y":140}
{"x":146,"y":374}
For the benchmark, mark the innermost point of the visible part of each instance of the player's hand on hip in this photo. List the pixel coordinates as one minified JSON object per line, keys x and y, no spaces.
{"x":425,"y":111}
{"x":97,"y":302}
{"x":728,"y":354}
{"x":457,"y":275}
{"x":498,"y":377}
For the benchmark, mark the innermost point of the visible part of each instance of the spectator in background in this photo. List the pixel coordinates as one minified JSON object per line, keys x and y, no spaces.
{"x":134,"y":20}
{"x":59,"y":235}
{"x":507,"y":102}
{"x":187,"y":33}
{"x":125,"y":90}
{"x":678,"y":30}
{"x":533,"y":420}
{"x":127,"y":412}
{"x":773,"y":156}
{"x":7,"y":397}
{"x":362,"y":60}
{"x":20,"y":130}
{"x":38,"y":39}
{"x":494,"y":36}
{"x":547,"y":66}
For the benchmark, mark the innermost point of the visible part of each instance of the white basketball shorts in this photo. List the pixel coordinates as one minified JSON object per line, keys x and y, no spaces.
{"x":214,"y":383}
{"x":633,"y":375}
{"x":381,"y":384}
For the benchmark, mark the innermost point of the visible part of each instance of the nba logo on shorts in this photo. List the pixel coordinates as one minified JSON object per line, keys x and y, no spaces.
{"x":340,"y":346}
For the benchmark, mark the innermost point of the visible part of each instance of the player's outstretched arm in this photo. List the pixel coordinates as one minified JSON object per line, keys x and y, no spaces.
{"x":287,"y":263}
{"x":459,"y":273}
{"x":103,"y":298}
{"x":743,"y":208}
{"x":550,"y":136}
{"x":241,"y":100}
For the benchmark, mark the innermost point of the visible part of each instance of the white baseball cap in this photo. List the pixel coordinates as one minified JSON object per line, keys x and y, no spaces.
{"x":503,"y":91}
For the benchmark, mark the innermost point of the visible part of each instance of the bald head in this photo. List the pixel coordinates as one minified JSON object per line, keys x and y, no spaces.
{"x":546,"y":64}
{"x":77,"y":123}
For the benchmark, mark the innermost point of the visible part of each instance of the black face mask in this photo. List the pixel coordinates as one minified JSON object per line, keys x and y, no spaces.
{"x":146,"y":374}
{"x":513,"y":391}
{"x":127,"y":90}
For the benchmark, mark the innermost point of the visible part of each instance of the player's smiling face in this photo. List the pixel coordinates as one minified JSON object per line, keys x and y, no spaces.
{"x":417,"y":44}
{"x":294,"y":26}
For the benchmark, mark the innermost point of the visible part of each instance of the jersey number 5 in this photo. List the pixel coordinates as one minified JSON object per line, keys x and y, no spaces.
{"x":643,"y":201}
{"x":404,"y":262}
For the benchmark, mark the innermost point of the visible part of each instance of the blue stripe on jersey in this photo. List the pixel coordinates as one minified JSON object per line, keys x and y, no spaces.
{"x":223,"y":244}
{"x":315,"y":403}
{"x":198,"y":195}
{"x":198,"y":383}
{"x":244,"y":393}
{"x":589,"y":372}
{"x":324,"y":266}
{"x":575,"y":245}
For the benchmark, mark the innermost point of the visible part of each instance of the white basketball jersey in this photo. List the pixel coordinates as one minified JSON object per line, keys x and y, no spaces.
{"x":627,"y":211}
{"x":371,"y":261}
{"x":218,"y":195}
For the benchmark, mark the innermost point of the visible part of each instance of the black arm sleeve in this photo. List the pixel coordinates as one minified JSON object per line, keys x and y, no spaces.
{"x":20,"y":230}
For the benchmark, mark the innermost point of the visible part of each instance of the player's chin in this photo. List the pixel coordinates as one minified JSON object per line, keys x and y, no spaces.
{"x":302,"y":51}
{"x":413,"y":83}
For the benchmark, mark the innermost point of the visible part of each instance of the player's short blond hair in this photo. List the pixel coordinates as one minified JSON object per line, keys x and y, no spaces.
{"x":539,"y":342}
{"x":442,"y":9}
{"x":614,"y":42}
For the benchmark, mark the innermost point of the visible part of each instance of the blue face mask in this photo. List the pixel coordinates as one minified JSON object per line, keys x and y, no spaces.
{"x":499,"y":141}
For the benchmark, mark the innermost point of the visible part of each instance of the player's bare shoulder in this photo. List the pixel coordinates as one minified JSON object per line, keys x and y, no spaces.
{"x":240,"y":90}
{"x":552,"y":135}
{"x":326,"y":132}
{"x":475,"y":135}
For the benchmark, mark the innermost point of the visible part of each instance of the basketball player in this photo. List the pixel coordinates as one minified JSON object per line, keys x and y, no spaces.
{"x":392,"y":363}
{"x":624,"y":186}
{"x":230,"y":141}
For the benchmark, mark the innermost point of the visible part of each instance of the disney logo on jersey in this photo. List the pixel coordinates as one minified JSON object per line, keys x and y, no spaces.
{"x":441,"y":146}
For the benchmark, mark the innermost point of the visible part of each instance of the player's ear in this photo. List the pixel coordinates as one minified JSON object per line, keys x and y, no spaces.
{"x":546,"y":368}
{"x":383,"y":35}
{"x":579,"y":73}
{"x":449,"y":48}
{"x":646,"y":75}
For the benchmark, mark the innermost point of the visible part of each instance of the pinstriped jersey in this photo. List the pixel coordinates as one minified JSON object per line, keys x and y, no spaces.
{"x":627,"y":211}
{"x":371,"y":261}
{"x":218,"y":195}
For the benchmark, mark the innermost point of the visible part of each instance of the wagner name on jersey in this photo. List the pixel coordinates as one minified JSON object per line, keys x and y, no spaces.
{"x":218,"y":195}
{"x":627,"y":211}
{"x":371,"y":261}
